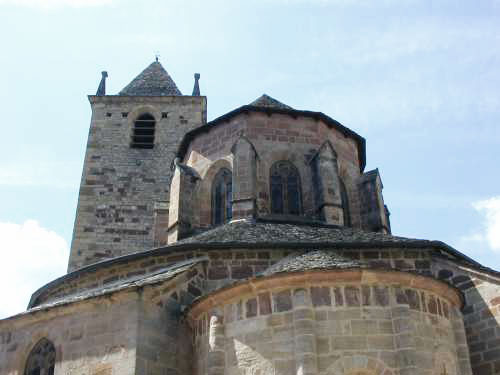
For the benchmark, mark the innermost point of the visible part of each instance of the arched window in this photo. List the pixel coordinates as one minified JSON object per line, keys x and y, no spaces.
{"x":42,"y":359}
{"x":286,"y":197}
{"x":222,"y":196}
{"x":345,"y":204}
{"x":143,"y":135}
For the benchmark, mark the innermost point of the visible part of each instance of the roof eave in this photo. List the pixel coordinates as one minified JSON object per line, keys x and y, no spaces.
{"x":190,"y":136}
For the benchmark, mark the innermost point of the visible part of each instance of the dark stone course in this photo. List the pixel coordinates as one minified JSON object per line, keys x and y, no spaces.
{"x":282,"y":301}
{"x":413,"y":299}
{"x":265,"y":307}
{"x":241,"y":272}
{"x":444,"y":274}
{"x":401,"y":296}
{"x":251,"y":307}
{"x":381,"y":295}
{"x":339,"y":298}
{"x":352,"y":296}
{"x":366,"y":293}
{"x":218,"y":273}
{"x":432,"y":305}
{"x":320,"y":296}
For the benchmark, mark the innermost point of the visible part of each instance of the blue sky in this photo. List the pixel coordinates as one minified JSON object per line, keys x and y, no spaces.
{"x":418,"y":79}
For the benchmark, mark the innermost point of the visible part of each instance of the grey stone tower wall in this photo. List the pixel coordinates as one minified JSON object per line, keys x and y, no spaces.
{"x":123,"y":187}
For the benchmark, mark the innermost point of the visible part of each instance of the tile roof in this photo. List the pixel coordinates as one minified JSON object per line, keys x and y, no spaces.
{"x":152,"y":81}
{"x":267,"y":102}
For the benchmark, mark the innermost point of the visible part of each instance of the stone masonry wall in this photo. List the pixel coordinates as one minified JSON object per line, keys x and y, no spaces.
{"x":136,"y":331}
{"x":121,"y":185}
{"x":481,"y":313}
{"x":90,"y":338}
{"x":276,"y":137}
{"x":332,"y":329}
{"x":229,"y":265}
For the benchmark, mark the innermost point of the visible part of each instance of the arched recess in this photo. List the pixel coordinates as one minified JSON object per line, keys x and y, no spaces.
{"x":285,"y":188}
{"x":143,"y":132}
{"x":359,"y":365}
{"x":222,"y":197}
{"x":204,"y":192}
{"x":42,"y":359}
{"x":139,"y":111}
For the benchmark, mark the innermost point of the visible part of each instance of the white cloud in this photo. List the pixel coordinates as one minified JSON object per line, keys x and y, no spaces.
{"x":30,"y":256}
{"x":487,"y":236}
{"x":56,"y":3}
{"x":490,"y":208}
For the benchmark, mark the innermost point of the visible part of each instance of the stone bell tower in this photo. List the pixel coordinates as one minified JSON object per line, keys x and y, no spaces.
{"x":124,"y":191}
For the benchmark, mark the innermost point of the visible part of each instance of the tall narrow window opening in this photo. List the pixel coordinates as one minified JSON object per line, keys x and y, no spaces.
{"x":222,"y":196}
{"x":143,"y":135}
{"x":345,"y":204}
{"x":42,"y":359}
{"x":286,"y":196}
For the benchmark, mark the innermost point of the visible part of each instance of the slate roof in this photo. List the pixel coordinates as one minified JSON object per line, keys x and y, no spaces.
{"x":277,"y":232}
{"x":152,"y":81}
{"x":272,"y":233}
{"x":265,"y":101}
{"x":312,"y":260}
{"x":158,"y":276}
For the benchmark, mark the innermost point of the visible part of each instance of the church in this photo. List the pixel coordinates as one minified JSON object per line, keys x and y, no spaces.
{"x":252,"y":244}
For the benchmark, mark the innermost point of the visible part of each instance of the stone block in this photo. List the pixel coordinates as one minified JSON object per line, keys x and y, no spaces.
{"x":251,"y":307}
{"x":282,"y":301}
{"x":322,"y":345}
{"x":364,"y":327}
{"x":265,"y":307}
{"x":381,"y":295}
{"x":349,"y":343}
{"x":352,"y":296}
{"x":320,"y":296}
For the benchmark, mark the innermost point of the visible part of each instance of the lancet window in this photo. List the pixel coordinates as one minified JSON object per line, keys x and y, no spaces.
{"x":286,"y":197}
{"x":345,"y":204}
{"x":222,"y":196}
{"x":143,"y":135}
{"x":42,"y":359}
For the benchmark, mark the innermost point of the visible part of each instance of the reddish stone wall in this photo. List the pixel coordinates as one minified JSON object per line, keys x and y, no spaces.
{"x":276,"y":137}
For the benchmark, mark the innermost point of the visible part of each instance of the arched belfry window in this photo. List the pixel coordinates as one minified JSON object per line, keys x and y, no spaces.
{"x":286,"y":197}
{"x":143,"y":134}
{"x":42,"y":359}
{"x":222,"y":196}
{"x":345,"y":204}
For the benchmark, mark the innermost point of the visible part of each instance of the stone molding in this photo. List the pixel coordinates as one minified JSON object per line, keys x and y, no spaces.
{"x":301,"y":279}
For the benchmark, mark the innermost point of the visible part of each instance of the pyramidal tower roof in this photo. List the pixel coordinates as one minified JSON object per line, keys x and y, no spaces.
{"x":268,"y":102}
{"x":153,"y":81}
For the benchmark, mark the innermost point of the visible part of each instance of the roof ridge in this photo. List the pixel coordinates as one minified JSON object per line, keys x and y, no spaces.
{"x":267,"y":101}
{"x":152,"y":81}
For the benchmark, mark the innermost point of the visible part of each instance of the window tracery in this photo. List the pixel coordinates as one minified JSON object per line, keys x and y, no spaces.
{"x":42,"y":359}
{"x":286,"y":197}
{"x":222,"y":196}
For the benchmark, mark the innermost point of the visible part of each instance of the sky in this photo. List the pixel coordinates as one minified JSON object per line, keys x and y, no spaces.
{"x":419,"y":79}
